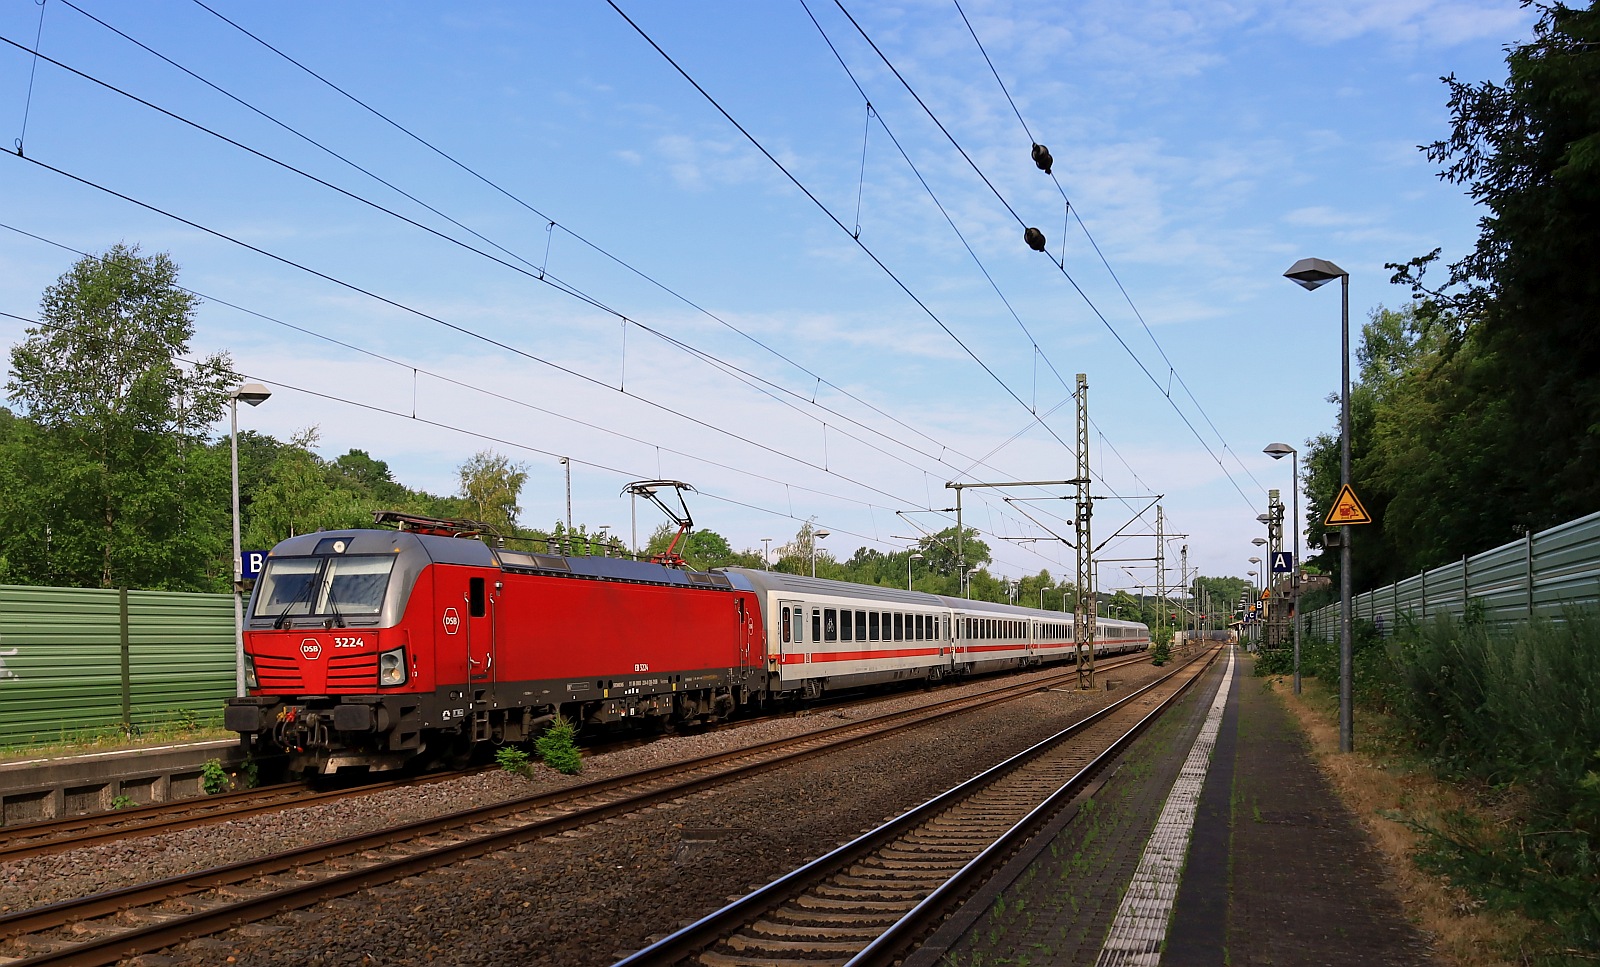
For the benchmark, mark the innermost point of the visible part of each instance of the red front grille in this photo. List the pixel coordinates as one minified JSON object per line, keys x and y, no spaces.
{"x":344,"y":673}
{"x":349,"y":672}
{"x":278,"y":674}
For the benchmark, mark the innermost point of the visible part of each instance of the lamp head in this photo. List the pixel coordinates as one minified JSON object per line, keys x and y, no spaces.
{"x":1278,"y":451}
{"x":1259,"y":541}
{"x":1312,"y":273}
{"x":822,"y":534}
{"x":253,"y":393}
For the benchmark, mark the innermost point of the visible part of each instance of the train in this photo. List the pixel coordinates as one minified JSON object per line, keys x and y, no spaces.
{"x":376,"y":649}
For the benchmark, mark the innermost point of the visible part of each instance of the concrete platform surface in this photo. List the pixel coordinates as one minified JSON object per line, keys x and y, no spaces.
{"x":1276,"y":870}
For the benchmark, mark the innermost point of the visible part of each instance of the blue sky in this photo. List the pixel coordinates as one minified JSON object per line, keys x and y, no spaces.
{"x":729,"y":332}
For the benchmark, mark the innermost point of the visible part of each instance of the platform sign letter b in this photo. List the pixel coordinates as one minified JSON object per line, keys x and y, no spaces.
{"x":250,"y":564}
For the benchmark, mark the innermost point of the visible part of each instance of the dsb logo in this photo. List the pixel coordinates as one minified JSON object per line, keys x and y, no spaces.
{"x":452,"y":621}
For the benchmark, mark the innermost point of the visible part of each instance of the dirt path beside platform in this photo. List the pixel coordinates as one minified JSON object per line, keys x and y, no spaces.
{"x":1378,"y":790}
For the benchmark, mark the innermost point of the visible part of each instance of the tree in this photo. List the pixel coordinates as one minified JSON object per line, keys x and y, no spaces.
{"x":298,"y":497}
{"x":130,"y":489}
{"x":491,"y":484}
{"x":701,"y":550}
{"x":358,"y":472}
{"x":939,"y":550}
{"x":1499,"y":433}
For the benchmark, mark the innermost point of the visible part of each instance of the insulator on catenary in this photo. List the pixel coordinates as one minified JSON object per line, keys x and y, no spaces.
{"x":1041,"y":157}
{"x":1034,"y":238}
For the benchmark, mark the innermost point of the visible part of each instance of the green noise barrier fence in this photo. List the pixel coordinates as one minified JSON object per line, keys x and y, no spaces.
{"x":1541,"y":576}
{"x":76,"y":663}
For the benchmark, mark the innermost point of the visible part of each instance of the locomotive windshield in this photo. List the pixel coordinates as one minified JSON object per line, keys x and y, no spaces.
{"x":346,"y":586}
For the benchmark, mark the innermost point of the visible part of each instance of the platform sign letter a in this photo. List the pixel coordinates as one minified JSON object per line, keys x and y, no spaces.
{"x":1283,"y":562}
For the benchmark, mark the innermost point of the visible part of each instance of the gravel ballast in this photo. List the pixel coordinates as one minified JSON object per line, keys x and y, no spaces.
{"x":590,"y":895}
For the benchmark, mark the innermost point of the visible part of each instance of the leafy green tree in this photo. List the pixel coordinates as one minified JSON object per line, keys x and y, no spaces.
{"x":358,"y":472}
{"x":298,"y":497}
{"x":796,"y":556}
{"x":491,"y":484}
{"x":1475,"y":418}
{"x":701,"y":549}
{"x":124,"y":484}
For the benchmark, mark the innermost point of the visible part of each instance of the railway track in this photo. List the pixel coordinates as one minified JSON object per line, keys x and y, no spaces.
{"x":867,"y":901}
{"x":105,"y":927}
{"x":74,"y":832}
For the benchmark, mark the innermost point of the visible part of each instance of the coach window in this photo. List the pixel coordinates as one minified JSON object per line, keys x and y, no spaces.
{"x":786,"y":625}
{"x":861,"y":626}
{"x":872,"y":626}
{"x":847,"y":626}
{"x":830,"y":625}
{"x":799,"y":625}
{"x":816,"y":624}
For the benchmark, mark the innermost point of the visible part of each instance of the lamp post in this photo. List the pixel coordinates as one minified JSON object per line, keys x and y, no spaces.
{"x":766,"y":552}
{"x":1309,"y":274}
{"x":913,"y":556}
{"x":1276,"y":451}
{"x":819,"y":535}
{"x":254,"y":394}
{"x":1261,"y":612}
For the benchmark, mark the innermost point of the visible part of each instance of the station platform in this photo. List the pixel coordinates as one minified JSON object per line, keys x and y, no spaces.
{"x":33,"y":789}
{"x":1214,"y":841}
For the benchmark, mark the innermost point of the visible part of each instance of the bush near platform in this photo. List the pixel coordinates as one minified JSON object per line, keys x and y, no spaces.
{"x":1515,"y":712}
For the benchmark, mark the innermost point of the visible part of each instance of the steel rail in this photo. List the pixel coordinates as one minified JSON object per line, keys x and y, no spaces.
{"x":706,"y":932}
{"x":93,"y":952}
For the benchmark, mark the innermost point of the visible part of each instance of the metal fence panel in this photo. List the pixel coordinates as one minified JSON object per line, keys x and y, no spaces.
{"x":71,"y":664}
{"x":182,"y":650}
{"x":1543,"y":575}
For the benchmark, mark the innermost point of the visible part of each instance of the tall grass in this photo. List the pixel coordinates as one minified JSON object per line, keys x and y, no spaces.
{"x":1517,"y":712}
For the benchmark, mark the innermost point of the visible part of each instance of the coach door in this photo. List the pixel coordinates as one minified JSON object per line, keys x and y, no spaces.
{"x":790,"y":634}
{"x":479,"y":601}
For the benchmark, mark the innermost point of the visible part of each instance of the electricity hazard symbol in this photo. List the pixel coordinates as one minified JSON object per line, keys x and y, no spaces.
{"x":1347,"y":509}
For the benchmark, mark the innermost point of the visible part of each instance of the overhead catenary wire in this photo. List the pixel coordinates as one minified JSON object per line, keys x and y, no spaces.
{"x":821,"y":206}
{"x":466,"y":431}
{"x":478,"y":389}
{"x":502,"y":345}
{"x":1074,"y":213}
{"x":556,"y":224}
{"x":1023,"y":223}
{"x":539,"y":273}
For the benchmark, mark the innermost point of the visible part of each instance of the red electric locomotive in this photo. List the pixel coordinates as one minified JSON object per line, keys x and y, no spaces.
{"x":371,"y":648}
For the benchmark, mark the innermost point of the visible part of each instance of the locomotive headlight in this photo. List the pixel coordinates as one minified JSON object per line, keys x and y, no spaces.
{"x":392,"y":667}
{"x":250,"y":673}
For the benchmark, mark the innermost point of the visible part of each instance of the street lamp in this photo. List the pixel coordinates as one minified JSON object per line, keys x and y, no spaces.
{"x":766,"y":552}
{"x":819,"y":536}
{"x":254,"y":394}
{"x":1311,"y":273}
{"x":913,"y":556}
{"x":1276,"y":451}
{"x":1261,"y":612}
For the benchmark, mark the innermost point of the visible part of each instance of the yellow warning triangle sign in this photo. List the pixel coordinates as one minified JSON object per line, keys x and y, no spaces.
{"x":1347,"y":509}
